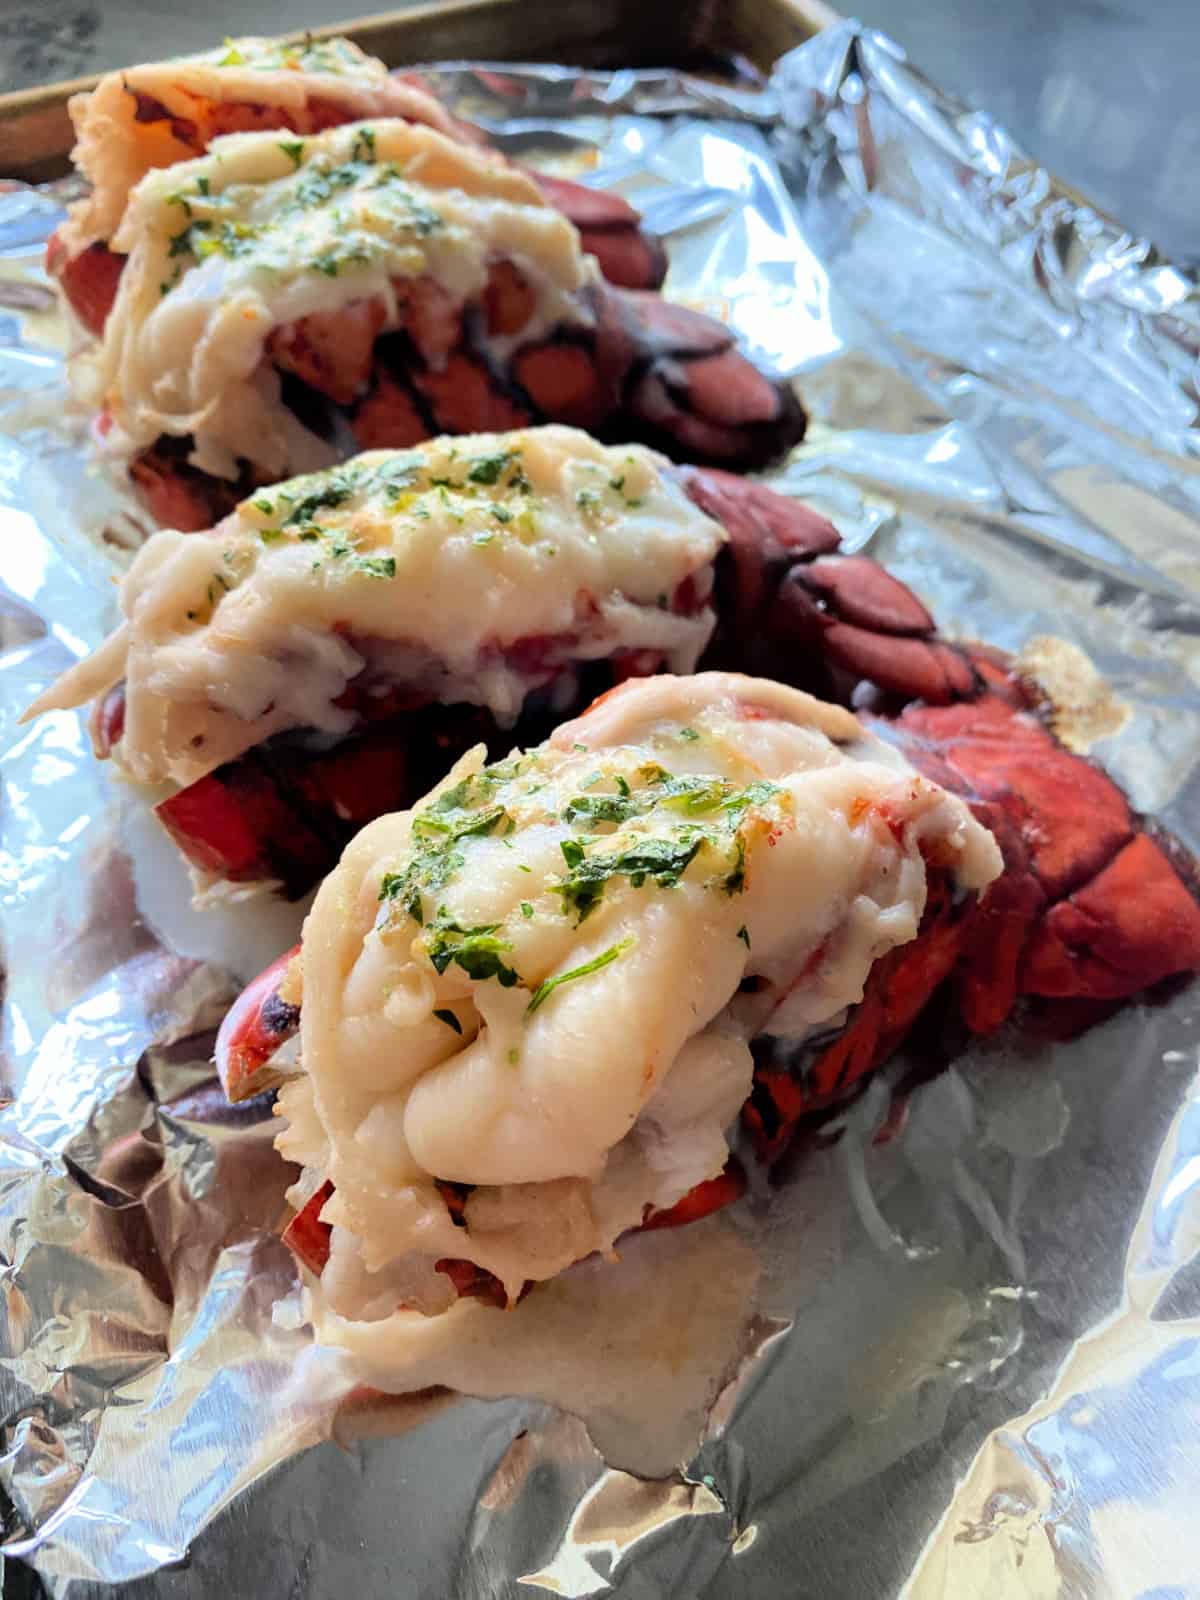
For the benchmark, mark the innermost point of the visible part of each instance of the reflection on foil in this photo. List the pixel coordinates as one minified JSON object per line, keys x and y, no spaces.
{"x":980,"y":1336}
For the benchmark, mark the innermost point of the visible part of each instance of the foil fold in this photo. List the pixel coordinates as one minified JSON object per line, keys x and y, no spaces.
{"x":971,"y":1365}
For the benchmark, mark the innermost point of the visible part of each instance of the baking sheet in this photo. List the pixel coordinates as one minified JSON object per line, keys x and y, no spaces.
{"x":971,"y":1364}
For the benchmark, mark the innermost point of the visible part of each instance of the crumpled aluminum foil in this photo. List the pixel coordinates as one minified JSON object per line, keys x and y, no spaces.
{"x":973,"y":1363}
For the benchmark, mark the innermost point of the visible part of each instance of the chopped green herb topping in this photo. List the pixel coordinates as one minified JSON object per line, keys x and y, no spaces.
{"x":721,"y":805}
{"x":664,"y":822}
{"x":735,"y":880}
{"x":396,"y":209}
{"x":664,"y":861}
{"x":375,"y":566}
{"x":544,"y":990}
{"x":476,"y":950}
{"x":204,"y":238}
{"x":461,"y":812}
{"x":490,"y":469}
{"x":601,"y":808}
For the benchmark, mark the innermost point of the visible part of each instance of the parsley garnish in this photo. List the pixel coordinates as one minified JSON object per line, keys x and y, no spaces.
{"x":735,"y":880}
{"x":337,"y":488}
{"x":455,"y":825}
{"x":454,"y":815}
{"x":293,"y":149}
{"x":489,"y":470}
{"x":427,"y":874}
{"x":375,"y":566}
{"x":601,"y":808}
{"x":203,"y":239}
{"x":476,"y":950}
{"x":544,"y":990}
{"x":663,"y":860}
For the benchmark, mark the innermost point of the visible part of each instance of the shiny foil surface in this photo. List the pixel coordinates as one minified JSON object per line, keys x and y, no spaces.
{"x":961,"y":1362}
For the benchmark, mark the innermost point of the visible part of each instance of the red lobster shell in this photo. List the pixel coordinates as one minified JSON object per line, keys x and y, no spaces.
{"x":1093,"y":907}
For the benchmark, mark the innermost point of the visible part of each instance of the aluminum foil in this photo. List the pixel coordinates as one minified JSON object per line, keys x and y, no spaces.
{"x":971,"y":1364}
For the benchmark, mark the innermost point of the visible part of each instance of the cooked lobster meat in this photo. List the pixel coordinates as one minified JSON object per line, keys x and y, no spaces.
{"x":525,"y":1007}
{"x":284,"y":302}
{"x":162,"y":113}
{"x":322,"y":655}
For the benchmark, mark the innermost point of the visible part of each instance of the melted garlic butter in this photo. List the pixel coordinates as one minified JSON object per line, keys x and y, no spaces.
{"x":530,"y":983}
{"x":425,"y":566}
{"x":264,"y":231}
{"x":114,"y":150}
